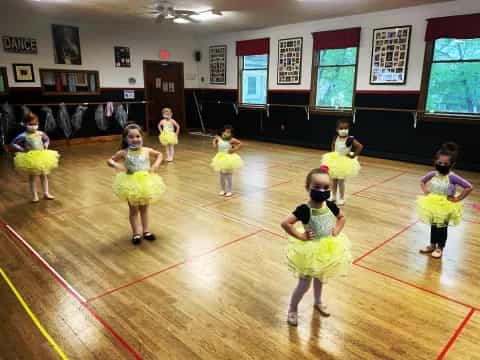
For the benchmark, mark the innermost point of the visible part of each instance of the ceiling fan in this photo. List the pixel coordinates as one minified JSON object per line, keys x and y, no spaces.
{"x":164,"y":11}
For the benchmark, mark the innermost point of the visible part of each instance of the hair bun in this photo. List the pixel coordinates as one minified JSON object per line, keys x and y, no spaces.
{"x":450,"y":146}
{"x":325,"y":168}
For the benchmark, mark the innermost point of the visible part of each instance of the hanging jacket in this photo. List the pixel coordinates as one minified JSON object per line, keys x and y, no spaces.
{"x":8,"y":117}
{"x":25,"y":111}
{"x":77,"y":118}
{"x":50,"y":123}
{"x":109,"y":109}
{"x":100,"y":119}
{"x":121,"y":116}
{"x":64,"y":120}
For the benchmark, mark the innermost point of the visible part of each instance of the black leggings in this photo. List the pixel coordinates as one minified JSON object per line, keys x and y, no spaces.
{"x":438,"y":236}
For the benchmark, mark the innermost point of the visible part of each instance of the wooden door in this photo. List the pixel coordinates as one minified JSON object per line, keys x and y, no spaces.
{"x":164,"y":87}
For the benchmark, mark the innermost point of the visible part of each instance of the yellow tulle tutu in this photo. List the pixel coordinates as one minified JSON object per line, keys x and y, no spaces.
{"x":340,"y":166}
{"x":168,"y":138}
{"x":36,"y":162}
{"x":139,"y":188}
{"x":226,"y":162}
{"x":435,"y":209}
{"x":323,"y":259}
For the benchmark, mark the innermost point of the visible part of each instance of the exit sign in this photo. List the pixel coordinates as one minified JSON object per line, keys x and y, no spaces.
{"x":164,"y":54}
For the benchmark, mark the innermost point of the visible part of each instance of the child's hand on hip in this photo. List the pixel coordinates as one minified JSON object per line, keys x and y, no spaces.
{"x":308,"y":235}
{"x":335,"y":231}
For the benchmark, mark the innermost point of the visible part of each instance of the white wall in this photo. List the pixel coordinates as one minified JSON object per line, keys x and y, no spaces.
{"x":97,"y":41}
{"x":415,"y":16}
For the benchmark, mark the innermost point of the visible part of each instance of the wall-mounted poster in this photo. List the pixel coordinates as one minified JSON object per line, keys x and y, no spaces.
{"x":218,"y":64}
{"x":289,"y":61}
{"x":122,"y":56}
{"x":66,"y":45}
{"x":23,"y":73}
{"x":390,"y":48}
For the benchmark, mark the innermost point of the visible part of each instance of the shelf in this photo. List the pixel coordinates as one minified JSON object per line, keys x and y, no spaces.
{"x":55,"y":82}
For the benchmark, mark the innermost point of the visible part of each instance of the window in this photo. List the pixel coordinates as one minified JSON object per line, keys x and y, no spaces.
{"x":252,"y":85}
{"x":453,"y":85}
{"x":253,"y":79}
{"x":334,"y":80}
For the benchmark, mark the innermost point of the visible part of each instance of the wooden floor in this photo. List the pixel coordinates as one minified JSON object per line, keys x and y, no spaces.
{"x":214,"y":285}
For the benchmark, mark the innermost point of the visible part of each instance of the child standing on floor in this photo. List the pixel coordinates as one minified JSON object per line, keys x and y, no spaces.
{"x":342,"y":161}
{"x":136,"y":181}
{"x":321,"y":251}
{"x":33,"y":156}
{"x":226,"y":160}
{"x":441,"y":206}
{"x":169,"y":130}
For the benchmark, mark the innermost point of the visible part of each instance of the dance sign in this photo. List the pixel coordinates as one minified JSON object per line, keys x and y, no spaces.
{"x":22,"y":45}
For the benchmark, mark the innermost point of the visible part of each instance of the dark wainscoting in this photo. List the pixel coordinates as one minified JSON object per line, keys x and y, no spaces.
{"x":389,"y":135}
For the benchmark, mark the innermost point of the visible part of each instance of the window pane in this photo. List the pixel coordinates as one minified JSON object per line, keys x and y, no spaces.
{"x":346,"y":56}
{"x":335,"y":86}
{"x":457,"y":49}
{"x":254,"y":87}
{"x":454,"y":87}
{"x":255,"y":62}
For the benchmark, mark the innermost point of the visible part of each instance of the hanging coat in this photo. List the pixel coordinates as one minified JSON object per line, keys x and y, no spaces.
{"x":109,"y":109}
{"x":100,"y":119}
{"x":77,"y":118}
{"x":121,"y":116}
{"x":25,"y":111}
{"x":7,"y":121}
{"x":64,"y":120}
{"x":50,"y":123}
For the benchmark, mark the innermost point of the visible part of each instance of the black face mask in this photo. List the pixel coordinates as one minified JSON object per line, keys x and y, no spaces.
{"x":443,"y":169}
{"x":319,"y":195}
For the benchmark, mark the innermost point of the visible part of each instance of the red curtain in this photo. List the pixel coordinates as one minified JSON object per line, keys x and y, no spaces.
{"x":459,"y":27}
{"x":336,"y":39}
{"x":253,"y":47}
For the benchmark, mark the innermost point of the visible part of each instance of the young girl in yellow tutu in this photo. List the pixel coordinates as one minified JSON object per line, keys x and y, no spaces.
{"x":136,"y":181}
{"x":169,"y":130}
{"x":33,"y":157}
{"x":319,"y":250}
{"x":342,"y":161}
{"x":441,"y":206}
{"x":226,"y":160}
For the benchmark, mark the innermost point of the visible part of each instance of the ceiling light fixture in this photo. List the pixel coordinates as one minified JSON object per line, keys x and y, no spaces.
{"x":181,"y":20}
{"x":206,"y":15}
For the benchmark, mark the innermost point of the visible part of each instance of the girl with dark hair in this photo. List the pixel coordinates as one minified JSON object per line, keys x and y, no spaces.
{"x":441,"y":206}
{"x":321,"y":251}
{"x":136,"y":181}
{"x":226,"y":160}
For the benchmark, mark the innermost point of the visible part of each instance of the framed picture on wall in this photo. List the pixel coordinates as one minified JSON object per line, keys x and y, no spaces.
{"x":23,"y":72}
{"x":390,"y":49}
{"x":66,"y":45}
{"x":289,"y":69}
{"x":122,"y":56}
{"x":3,"y":81}
{"x":217,"y":56}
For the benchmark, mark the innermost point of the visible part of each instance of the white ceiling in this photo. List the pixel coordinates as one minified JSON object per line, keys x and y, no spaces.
{"x":238,"y":14}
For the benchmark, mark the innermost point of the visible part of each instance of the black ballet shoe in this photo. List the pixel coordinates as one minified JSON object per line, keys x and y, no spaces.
{"x":136,"y":239}
{"x":149,"y":236}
